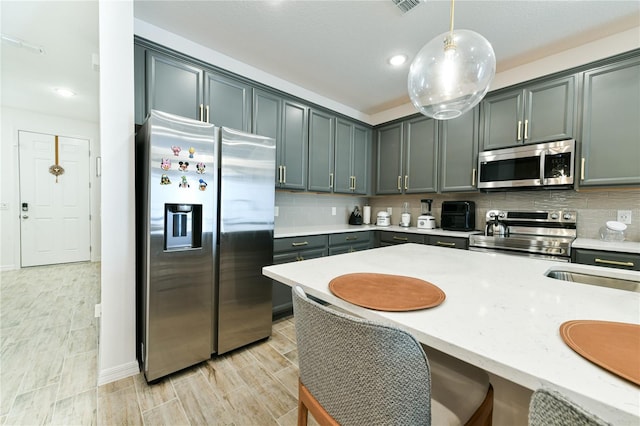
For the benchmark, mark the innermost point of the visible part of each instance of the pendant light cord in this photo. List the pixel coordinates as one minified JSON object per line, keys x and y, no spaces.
{"x":451,"y":20}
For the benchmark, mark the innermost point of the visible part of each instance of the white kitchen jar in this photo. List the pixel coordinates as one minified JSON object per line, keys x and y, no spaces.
{"x":613,"y":231}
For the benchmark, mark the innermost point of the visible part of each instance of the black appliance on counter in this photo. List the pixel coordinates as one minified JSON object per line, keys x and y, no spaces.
{"x":458,"y":216}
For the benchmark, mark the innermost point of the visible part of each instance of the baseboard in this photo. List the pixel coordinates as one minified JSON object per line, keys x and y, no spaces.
{"x":119,"y":372}
{"x":4,"y":268}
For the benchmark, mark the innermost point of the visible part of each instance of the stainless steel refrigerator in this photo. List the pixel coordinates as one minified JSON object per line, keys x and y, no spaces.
{"x":204,"y":209}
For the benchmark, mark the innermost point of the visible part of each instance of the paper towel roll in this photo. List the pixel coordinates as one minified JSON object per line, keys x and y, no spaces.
{"x":366,"y":215}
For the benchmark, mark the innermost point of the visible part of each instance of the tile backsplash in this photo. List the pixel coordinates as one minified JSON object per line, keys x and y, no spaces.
{"x":594,"y":207}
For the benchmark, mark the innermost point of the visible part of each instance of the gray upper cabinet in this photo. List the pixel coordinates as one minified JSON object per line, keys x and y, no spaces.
{"x":287,"y":122}
{"x":541,"y":112}
{"x":227,"y":102}
{"x":389,"y":159}
{"x":353,"y":146}
{"x":321,"y":146}
{"x":173,"y":86}
{"x":420,"y":155}
{"x":407,"y":157}
{"x":181,"y":88}
{"x":611,"y":125}
{"x":459,"y":152}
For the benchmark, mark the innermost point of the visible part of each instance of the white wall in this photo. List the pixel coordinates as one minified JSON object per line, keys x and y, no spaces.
{"x":117,"y":355}
{"x":14,"y":120}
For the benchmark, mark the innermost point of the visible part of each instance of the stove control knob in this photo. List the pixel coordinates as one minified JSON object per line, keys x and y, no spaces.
{"x":567,"y":216}
{"x":502,"y":215}
{"x":554,"y":216}
{"x":492,"y":214}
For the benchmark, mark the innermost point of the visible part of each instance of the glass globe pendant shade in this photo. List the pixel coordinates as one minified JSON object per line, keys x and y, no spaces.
{"x":451,"y":74}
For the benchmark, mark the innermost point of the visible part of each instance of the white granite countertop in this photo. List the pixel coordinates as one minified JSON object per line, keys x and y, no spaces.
{"x":284,"y":232}
{"x":594,"y":244}
{"x":501,"y":314}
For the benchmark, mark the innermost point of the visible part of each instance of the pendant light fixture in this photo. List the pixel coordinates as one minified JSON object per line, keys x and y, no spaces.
{"x":452,"y":73}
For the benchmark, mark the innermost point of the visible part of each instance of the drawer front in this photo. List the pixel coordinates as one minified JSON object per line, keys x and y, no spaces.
{"x":299,"y":243}
{"x":607,"y":259}
{"x":341,"y":249}
{"x":449,"y":242}
{"x":349,"y":238}
{"x":313,"y":253}
{"x":400,"y":238}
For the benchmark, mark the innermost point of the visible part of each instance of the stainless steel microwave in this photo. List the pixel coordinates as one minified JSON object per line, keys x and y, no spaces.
{"x":543,"y":165}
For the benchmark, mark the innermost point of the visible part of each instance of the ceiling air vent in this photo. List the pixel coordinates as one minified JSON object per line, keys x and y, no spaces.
{"x":406,"y":5}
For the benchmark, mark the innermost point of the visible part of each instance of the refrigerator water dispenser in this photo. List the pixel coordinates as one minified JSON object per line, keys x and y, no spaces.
{"x":182,"y":226}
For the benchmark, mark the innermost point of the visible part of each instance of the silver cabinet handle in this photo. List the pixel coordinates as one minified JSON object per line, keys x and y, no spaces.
{"x":352,"y":238}
{"x":526,"y":129}
{"x":284,"y":174}
{"x":330,"y":180}
{"x":399,"y":183}
{"x":279,"y":174}
{"x":614,"y":262}
{"x":207,"y":109}
{"x":400,"y":238}
{"x":519,"y":130}
{"x":406,"y":182}
{"x":582,"y":169}
{"x":300,"y":244}
{"x":473,"y":177}
{"x":201,"y":113}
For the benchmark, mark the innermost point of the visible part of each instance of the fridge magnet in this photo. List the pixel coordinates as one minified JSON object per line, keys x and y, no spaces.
{"x":176,"y":150}
{"x":203,"y":185}
{"x":164,"y":180}
{"x":192,"y":151}
{"x":183,"y":182}
{"x":183,"y":165}
{"x":165,"y":164}
{"x":200,"y":168}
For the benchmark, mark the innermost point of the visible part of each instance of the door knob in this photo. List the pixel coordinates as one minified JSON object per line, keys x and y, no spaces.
{"x":25,"y":216}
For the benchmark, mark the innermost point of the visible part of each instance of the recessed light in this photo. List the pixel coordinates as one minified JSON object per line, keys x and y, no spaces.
{"x":66,"y":93}
{"x":397,"y":60}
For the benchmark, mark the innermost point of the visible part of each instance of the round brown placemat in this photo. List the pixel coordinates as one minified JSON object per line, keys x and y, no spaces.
{"x":614,"y":346}
{"x":385,"y":292}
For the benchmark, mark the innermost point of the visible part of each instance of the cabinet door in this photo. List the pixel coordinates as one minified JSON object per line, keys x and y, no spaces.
{"x":610,"y":125}
{"x":294,"y":144}
{"x":321,"y":144}
{"x":502,"y":119}
{"x":173,"y":86}
{"x":361,"y":159}
{"x":139,"y":88}
{"x":344,"y":157}
{"x":389,"y":161}
{"x":459,"y":152}
{"x":550,"y":110}
{"x":267,"y":119}
{"x":421,"y":155}
{"x":448,"y":242}
{"x":228,"y":102}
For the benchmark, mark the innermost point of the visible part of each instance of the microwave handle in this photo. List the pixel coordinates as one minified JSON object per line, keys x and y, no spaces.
{"x":543,"y":154}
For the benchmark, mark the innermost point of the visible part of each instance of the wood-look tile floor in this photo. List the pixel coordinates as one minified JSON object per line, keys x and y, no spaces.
{"x":48,"y":365}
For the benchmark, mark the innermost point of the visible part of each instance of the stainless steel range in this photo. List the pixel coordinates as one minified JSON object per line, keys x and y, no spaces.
{"x":546,"y":234}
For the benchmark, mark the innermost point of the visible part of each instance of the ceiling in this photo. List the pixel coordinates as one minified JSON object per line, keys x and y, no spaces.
{"x":337,"y":49}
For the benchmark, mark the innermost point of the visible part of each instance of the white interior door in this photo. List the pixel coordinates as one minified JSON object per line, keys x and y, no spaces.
{"x":54,"y":216}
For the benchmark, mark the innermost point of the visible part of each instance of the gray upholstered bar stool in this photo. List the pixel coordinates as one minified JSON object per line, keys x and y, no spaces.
{"x":358,"y":372}
{"x":550,"y":408}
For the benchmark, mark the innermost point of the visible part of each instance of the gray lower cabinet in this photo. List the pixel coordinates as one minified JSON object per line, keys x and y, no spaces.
{"x":459,"y":152}
{"x":607,"y":259}
{"x":349,"y":242}
{"x":539,"y":112}
{"x":293,"y":249}
{"x":407,"y":157}
{"x":321,"y":147}
{"x":611,"y":125}
{"x":389,"y":238}
{"x":286,"y":121}
{"x":352,"y":158}
{"x":448,"y":242}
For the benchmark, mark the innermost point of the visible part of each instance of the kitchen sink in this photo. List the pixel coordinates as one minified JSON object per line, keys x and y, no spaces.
{"x":593,"y":279}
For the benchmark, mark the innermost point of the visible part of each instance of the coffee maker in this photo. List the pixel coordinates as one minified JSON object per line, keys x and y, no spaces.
{"x":426,"y":219}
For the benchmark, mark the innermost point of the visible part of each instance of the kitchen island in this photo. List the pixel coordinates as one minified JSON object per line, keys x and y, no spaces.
{"x":501,"y":314}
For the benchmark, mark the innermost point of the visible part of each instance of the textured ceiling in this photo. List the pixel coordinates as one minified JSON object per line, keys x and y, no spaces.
{"x":337,"y":49}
